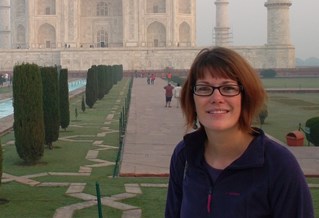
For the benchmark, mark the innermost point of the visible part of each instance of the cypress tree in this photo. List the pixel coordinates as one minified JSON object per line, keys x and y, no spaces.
{"x":64,"y":99}
{"x":50,"y":104}
{"x":100,"y":80}
{"x":114,"y":78}
{"x":109,"y":81}
{"x":91,"y":87}
{"x":76,"y":113}
{"x":120,"y":75}
{"x":28,"y":112}
{"x":102,"y":71}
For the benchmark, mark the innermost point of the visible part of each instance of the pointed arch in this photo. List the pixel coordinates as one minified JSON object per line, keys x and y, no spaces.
{"x":184,"y":34}
{"x":21,"y":36}
{"x":102,"y":38}
{"x":156,"y":35}
{"x":47,"y":36}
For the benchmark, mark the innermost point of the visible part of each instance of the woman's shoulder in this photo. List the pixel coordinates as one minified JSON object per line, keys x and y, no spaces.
{"x":277,"y":148}
{"x":280,"y":157}
{"x":190,"y":144}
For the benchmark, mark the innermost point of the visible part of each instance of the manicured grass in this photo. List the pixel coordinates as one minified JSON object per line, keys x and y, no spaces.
{"x":26,"y":201}
{"x":68,"y":156}
{"x":6,"y":89}
{"x":291,"y":82}
{"x":286,"y":111}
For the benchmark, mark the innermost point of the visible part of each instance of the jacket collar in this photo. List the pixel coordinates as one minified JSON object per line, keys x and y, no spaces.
{"x":252,"y":157}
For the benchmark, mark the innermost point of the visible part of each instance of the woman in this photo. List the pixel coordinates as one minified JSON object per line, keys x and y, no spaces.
{"x":227,"y":168}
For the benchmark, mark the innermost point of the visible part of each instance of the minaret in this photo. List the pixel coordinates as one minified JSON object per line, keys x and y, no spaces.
{"x":278,"y":22}
{"x":5,"y":29}
{"x":222,"y":34}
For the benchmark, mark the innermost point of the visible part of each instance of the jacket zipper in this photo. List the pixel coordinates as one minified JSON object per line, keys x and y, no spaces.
{"x":209,"y":201}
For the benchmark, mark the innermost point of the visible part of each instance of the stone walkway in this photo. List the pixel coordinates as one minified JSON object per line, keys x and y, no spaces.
{"x":152,"y":130}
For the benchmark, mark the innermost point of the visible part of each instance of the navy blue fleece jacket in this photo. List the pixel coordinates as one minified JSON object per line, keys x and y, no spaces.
{"x":266,"y":181}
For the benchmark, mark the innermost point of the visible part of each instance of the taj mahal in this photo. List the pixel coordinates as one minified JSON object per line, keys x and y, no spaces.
{"x":139,"y":34}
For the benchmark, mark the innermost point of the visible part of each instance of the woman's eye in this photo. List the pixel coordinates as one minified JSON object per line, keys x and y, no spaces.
{"x":203,"y":88}
{"x":229,"y":88}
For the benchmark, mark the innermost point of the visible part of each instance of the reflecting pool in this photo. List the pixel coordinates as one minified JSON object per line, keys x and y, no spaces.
{"x":6,"y":107}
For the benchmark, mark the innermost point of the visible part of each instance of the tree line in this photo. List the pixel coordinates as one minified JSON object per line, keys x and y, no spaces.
{"x":100,"y":80}
{"x":41,"y":103}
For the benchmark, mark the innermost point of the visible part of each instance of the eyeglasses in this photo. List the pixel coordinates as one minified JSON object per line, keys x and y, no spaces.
{"x":224,"y":90}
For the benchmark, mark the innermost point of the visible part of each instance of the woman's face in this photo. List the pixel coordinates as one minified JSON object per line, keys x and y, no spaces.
{"x":217,"y":112}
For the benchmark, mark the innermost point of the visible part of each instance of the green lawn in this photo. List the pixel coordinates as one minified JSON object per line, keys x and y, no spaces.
{"x":286,"y":111}
{"x":291,"y":82}
{"x":6,"y":89}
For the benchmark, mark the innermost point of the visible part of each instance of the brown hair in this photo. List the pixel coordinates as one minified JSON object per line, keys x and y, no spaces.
{"x":225,"y":63}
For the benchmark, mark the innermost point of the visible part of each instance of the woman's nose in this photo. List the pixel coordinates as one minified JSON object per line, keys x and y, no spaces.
{"x":216,"y":96}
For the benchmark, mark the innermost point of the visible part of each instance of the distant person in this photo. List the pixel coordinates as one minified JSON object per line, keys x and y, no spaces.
{"x":152,"y":78}
{"x":227,"y":168}
{"x":169,"y":77}
{"x":177,"y":94}
{"x":168,"y":94}
{"x":148,"y":78}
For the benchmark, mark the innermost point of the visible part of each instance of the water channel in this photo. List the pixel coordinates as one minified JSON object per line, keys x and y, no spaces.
{"x":6,"y":107}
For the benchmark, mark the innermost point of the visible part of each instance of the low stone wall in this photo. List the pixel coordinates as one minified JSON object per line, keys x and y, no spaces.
{"x":151,"y":58}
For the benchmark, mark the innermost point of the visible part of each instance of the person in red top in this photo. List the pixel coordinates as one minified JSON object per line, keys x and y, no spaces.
{"x":169,"y":77}
{"x":152,"y":78}
{"x":168,"y":94}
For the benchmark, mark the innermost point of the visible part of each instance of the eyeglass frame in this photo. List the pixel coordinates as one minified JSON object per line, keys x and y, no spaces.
{"x":240,"y":90}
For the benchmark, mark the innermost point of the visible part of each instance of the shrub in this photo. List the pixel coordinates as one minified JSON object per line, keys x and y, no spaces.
{"x":312,"y":130}
{"x":263,"y":114}
{"x":268,"y":73}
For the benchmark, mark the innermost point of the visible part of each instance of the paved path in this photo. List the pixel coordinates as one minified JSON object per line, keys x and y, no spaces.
{"x":152,"y":130}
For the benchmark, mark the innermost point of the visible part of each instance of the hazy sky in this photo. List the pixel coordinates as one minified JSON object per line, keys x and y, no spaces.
{"x":248,"y":22}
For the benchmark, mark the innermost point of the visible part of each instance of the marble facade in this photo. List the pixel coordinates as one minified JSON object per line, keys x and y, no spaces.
{"x":139,"y":34}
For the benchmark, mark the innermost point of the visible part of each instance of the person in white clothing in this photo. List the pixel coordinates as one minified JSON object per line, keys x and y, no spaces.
{"x":177,"y":94}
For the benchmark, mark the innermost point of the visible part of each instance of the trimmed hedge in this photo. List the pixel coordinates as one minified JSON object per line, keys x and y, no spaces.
{"x":28,"y":122}
{"x":50,"y":104}
{"x":64,"y":99}
{"x":312,"y":130}
{"x":100,"y":80}
{"x":268,"y":73}
{"x":1,"y":159}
